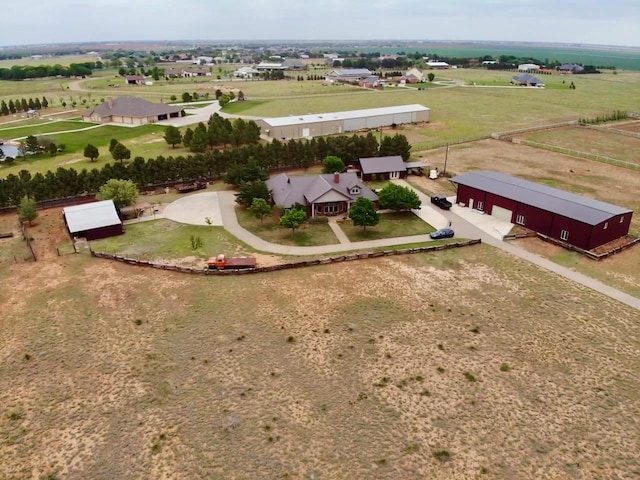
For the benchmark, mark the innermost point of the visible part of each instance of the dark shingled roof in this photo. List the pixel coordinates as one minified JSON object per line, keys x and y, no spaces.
{"x":131,"y":107}
{"x":560,"y":202}
{"x":389,"y":164}
{"x":287,"y":190}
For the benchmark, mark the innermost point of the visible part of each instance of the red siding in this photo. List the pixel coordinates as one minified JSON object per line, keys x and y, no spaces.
{"x":615,"y":229}
{"x":535,"y":219}
{"x":98,"y":233}
{"x":579,"y":234}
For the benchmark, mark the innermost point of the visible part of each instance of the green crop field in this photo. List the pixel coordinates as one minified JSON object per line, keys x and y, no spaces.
{"x":620,"y":57}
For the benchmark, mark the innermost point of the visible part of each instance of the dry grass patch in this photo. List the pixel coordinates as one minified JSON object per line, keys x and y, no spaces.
{"x":148,"y":374}
{"x":399,"y":224}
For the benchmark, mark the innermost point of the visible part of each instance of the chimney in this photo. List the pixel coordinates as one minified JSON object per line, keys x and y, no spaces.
{"x":336,"y":177}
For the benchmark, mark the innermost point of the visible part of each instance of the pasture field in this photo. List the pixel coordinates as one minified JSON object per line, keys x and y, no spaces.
{"x":377,"y":371}
{"x":55,"y":60}
{"x":604,"y":55}
{"x":600,"y":142}
{"x":601,"y":181}
{"x":142,"y":141}
{"x":10,"y":133}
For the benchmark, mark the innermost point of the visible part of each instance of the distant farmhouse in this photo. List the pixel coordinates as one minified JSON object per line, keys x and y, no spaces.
{"x":131,"y":111}
{"x":574,"y":219}
{"x":528,"y":67}
{"x":329,"y":194}
{"x":313,"y":125}
{"x":134,"y":80}
{"x":570,"y":68}
{"x":348,"y":75}
{"x":389,"y":167}
{"x":527,"y":80}
{"x":438,"y":65}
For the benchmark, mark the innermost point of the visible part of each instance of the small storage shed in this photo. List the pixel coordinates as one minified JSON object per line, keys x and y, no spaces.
{"x":577,"y":220}
{"x":93,"y":220}
{"x":389,"y":167}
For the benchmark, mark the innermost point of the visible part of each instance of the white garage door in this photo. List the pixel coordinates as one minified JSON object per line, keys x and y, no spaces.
{"x":501,"y":213}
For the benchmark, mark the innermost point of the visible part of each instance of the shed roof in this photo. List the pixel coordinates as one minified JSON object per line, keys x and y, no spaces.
{"x":325,"y":117}
{"x":382,"y":164}
{"x":554,"y":200}
{"x":131,"y":107}
{"x":350,"y":72}
{"x":89,"y":216}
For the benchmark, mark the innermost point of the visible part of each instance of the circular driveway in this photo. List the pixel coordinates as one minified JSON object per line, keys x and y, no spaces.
{"x":195,"y":209}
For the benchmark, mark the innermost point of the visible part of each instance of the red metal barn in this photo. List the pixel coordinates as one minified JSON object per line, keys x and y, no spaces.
{"x":93,"y":220}
{"x":580,"y":221}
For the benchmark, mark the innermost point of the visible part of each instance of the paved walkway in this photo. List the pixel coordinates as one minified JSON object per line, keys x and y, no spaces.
{"x":338,"y":232}
{"x":230,"y":221}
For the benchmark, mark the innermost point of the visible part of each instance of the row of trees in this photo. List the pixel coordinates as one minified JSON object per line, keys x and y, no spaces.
{"x":22,"y":105}
{"x":218,"y":132}
{"x":22,"y":72}
{"x":65,"y":182}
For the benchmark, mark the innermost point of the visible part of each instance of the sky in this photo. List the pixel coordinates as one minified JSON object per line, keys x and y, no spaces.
{"x":608,"y":22}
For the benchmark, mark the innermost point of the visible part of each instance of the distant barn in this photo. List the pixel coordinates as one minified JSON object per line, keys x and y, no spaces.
{"x":313,"y":125}
{"x":93,"y":220}
{"x":132,"y":111}
{"x":578,"y":220}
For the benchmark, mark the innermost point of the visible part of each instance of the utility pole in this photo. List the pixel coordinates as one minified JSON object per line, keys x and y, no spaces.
{"x":446,"y":156}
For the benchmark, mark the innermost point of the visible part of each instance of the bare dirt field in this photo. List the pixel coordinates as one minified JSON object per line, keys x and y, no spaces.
{"x":405,"y":367}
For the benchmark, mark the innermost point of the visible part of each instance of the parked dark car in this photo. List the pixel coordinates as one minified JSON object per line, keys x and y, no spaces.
{"x":442,"y":233}
{"x":441,"y":202}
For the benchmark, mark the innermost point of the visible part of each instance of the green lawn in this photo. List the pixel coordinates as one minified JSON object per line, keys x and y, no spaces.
{"x":309,"y":234}
{"x":9,"y":132}
{"x":165,"y":239}
{"x":400,"y":224}
{"x":135,"y":138}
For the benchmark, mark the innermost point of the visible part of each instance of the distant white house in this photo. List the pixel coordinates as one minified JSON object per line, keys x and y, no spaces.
{"x":438,"y":65}
{"x":528,"y":67}
{"x":246,"y":72}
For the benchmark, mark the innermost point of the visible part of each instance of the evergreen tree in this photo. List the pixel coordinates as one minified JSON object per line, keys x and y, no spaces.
{"x":37,"y":103}
{"x":12,"y":106}
{"x":172,"y":136}
{"x":4,"y":109}
{"x":24,"y":105}
{"x":45,"y":102}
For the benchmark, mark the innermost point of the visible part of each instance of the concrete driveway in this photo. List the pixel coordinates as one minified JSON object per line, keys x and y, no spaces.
{"x":195,"y":209}
{"x":490,"y":225}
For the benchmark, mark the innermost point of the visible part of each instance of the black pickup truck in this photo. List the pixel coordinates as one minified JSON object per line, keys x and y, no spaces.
{"x":441,"y":202}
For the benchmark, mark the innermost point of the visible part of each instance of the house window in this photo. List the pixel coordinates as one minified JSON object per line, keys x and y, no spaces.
{"x":520,"y":219}
{"x":606,"y":225}
{"x":622,"y":219}
{"x":564,"y":235}
{"x":355,"y":191}
{"x":480,"y":206}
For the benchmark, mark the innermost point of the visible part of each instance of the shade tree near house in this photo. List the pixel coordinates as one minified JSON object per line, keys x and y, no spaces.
{"x":249,"y":191}
{"x":293,"y":218}
{"x":120,"y":152}
{"x":172,"y":136}
{"x":395,"y":145}
{"x":397,"y":197}
{"x":250,"y":172}
{"x":91,"y":152}
{"x":332,"y":164}
{"x":363,"y":213}
{"x":122,"y":192}
{"x":260,"y":208}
